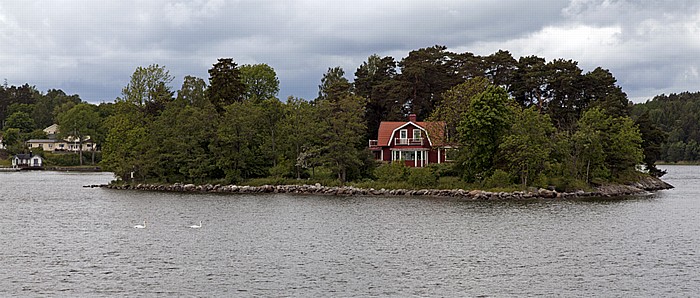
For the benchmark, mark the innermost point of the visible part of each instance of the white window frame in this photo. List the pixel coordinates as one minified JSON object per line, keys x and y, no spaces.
{"x":417,"y":134}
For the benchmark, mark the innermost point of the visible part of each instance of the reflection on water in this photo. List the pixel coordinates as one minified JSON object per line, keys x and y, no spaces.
{"x":64,"y":240}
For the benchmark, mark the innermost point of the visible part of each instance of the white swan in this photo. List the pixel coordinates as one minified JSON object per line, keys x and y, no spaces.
{"x":197,"y":226}
{"x":140,"y":226}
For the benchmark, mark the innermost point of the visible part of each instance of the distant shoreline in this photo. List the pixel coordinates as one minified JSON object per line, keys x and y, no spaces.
{"x":644,"y":185}
{"x":57,"y":169}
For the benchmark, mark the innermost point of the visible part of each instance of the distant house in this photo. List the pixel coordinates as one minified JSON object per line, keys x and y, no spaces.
{"x":45,"y":144}
{"x":417,"y":144}
{"x":28,"y":161}
{"x":70,"y":143}
{"x":51,"y":131}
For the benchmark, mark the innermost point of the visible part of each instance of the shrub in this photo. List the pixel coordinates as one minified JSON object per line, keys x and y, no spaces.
{"x":499,"y":178}
{"x":423,"y":177}
{"x":443,"y":169}
{"x":568,"y":184}
{"x":71,"y":159}
{"x":392,"y":172}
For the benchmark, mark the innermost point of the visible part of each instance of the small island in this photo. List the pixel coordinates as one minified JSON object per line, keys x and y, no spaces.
{"x":435,"y":123}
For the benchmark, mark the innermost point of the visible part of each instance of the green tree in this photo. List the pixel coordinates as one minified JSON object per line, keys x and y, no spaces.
{"x":333,"y":84}
{"x":601,"y":91}
{"x":529,"y":82}
{"x":455,"y":102}
{"x":179,"y":144}
{"x":193,"y":92}
{"x":500,"y":68}
{"x":126,"y":142}
{"x":10,"y":95}
{"x":427,"y":73}
{"x":43,"y":113}
{"x":261,"y":82}
{"x":225,"y":84}
{"x":481,"y":131}
{"x":272,"y":112}
{"x":342,"y":134}
{"x":80,"y":123}
{"x":373,"y":81}
{"x":148,"y":85}
{"x":20,"y":107}
{"x":21,"y":121}
{"x":527,"y":146}
{"x":653,"y":138}
{"x":300,"y":134}
{"x":564,"y":93}
{"x":12,"y":140}
{"x":606,"y":147}
{"x":237,"y":147}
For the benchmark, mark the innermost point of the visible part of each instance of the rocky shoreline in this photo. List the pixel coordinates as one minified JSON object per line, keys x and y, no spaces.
{"x":643,"y":186}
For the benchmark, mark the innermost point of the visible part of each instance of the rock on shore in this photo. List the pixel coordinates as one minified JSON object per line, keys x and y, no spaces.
{"x":643,"y":186}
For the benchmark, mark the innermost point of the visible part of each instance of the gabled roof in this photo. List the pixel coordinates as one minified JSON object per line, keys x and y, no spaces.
{"x":41,"y":141}
{"x":435,"y":131}
{"x":53,"y":129}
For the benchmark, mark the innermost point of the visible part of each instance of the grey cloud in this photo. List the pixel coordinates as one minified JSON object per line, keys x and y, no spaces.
{"x":92,"y":47}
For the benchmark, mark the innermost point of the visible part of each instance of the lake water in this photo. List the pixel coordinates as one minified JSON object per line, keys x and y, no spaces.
{"x":59,"y":239}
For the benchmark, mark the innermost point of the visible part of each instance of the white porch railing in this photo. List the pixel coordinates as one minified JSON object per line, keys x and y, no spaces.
{"x":409,"y":142}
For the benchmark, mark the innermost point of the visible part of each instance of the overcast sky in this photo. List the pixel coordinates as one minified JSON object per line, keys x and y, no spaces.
{"x":92,"y":47}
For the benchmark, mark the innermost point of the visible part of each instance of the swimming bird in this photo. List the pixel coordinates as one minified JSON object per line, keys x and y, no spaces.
{"x":140,"y":226}
{"x":197,"y":226}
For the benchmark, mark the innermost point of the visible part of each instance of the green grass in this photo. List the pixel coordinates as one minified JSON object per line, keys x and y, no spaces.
{"x":5,"y":163}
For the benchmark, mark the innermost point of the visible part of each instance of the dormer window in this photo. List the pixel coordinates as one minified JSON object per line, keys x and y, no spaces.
{"x":416,"y":134}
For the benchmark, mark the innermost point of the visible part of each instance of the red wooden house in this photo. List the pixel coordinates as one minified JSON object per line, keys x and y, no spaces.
{"x":416,"y":143}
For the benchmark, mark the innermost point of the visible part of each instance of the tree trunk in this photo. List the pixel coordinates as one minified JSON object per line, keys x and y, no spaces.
{"x":80,"y":150}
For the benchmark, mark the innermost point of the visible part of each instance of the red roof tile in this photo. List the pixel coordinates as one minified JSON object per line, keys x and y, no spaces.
{"x":435,"y":131}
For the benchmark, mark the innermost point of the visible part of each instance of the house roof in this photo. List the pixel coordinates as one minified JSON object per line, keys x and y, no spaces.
{"x":435,"y":131}
{"x":41,"y":141}
{"x":53,"y":129}
{"x":26,"y":156}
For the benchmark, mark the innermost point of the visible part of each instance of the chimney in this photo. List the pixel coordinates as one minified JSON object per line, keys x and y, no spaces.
{"x":412,"y":117}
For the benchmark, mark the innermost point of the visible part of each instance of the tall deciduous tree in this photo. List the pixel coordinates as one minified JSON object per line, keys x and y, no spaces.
{"x":481,"y":131}
{"x":455,"y":102}
{"x":260,"y":82}
{"x":300,"y":134}
{"x":605,"y":147}
{"x":126,"y":142}
{"x":45,"y":106}
{"x":225,"y":84}
{"x":21,"y":121}
{"x":79,"y":123}
{"x":237,"y":147}
{"x":193,"y":92}
{"x":148,"y":85}
{"x":527,"y":146}
{"x":342,"y":133}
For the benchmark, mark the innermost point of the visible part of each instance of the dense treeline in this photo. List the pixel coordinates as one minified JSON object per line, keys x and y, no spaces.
{"x":678,"y":118}
{"x":525,"y":121}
